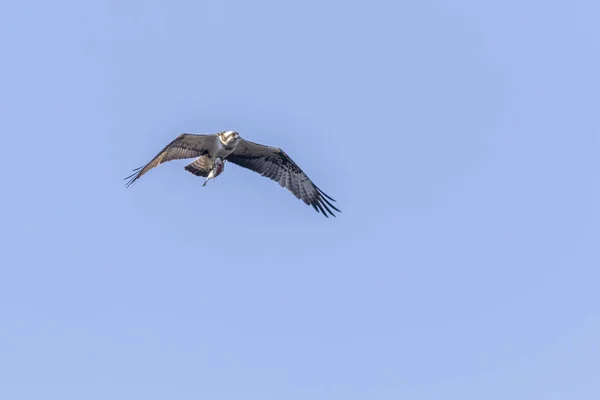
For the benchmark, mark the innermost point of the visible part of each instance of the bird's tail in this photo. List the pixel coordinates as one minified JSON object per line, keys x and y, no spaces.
{"x":200,"y":167}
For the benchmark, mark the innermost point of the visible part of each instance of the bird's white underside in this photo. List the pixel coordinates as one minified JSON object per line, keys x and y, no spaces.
{"x":219,"y":147}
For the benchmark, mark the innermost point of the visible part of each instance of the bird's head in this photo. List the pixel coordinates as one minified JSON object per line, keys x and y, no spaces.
{"x":229,"y":138}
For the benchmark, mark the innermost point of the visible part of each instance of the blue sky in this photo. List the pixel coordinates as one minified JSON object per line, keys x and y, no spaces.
{"x":460,"y":139}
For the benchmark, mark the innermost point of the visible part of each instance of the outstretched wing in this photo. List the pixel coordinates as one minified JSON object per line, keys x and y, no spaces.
{"x":186,"y":145}
{"x":273,"y":163}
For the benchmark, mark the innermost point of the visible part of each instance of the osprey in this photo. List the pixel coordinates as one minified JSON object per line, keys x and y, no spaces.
{"x":211,"y":152}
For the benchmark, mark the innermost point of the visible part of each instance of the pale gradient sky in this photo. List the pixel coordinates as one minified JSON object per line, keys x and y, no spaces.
{"x":461,"y":141}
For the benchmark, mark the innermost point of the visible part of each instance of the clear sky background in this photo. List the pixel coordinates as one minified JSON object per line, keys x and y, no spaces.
{"x":461,"y":141}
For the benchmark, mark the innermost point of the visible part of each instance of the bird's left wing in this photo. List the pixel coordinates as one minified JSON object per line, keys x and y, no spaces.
{"x":275,"y":164}
{"x":186,"y":145}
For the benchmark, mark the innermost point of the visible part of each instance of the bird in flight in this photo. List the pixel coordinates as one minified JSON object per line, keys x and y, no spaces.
{"x":212,"y":151}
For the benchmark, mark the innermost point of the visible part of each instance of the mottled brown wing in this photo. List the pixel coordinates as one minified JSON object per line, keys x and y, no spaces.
{"x":200,"y":167}
{"x":275,"y":164}
{"x":186,"y":145}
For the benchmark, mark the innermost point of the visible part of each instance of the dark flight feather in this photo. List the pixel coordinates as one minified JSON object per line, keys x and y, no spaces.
{"x":186,"y":145}
{"x":275,"y":164}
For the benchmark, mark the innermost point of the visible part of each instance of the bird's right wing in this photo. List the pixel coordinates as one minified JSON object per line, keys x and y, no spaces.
{"x":275,"y":164}
{"x":186,"y":145}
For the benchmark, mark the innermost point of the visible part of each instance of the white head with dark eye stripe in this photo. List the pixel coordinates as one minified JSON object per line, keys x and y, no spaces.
{"x":229,"y":138}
